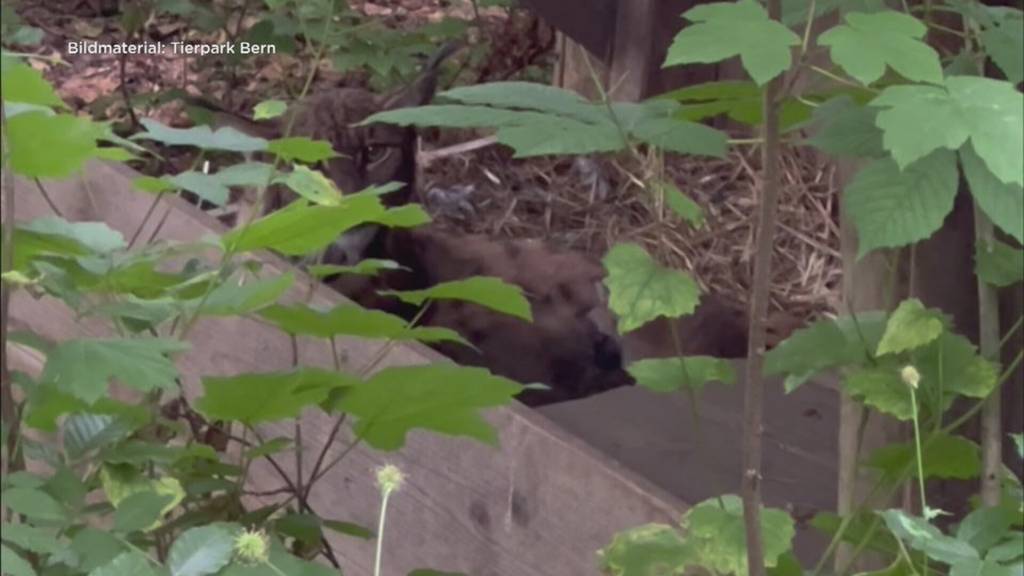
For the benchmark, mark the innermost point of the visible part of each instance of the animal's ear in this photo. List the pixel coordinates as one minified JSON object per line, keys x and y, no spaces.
{"x":421,"y":90}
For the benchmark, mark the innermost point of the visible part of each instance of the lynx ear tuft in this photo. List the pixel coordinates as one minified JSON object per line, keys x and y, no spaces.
{"x":421,"y":90}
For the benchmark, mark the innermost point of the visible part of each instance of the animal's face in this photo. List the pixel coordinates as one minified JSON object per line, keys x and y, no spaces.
{"x":367,"y":155}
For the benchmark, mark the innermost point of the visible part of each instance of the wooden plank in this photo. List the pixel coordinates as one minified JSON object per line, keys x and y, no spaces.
{"x":632,"y":48}
{"x":654,"y":435}
{"x":539,"y":506}
{"x":591,"y":23}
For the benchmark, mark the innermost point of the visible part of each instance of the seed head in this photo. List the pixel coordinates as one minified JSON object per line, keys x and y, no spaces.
{"x":911,"y":377}
{"x":252,"y":547}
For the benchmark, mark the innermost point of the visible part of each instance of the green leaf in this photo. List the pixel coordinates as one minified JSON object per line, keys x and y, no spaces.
{"x":44,"y":146}
{"x":680,"y":136}
{"x":445,"y":399}
{"x":23,"y":83}
{"x":269,"y":109}
{"x":648,"y":550}
{"x":367,"y":267}
{"x":489,"y":292}
{"x":1004,"y":43}
{"x":825,"y":344}
{"x":526,"y":96}
{"x":30,"y":538}
{"x":300,"y":229}
{"x":201,"y":137}
{"x":257,"y":398}
{"x":529,"y":133}
{"x":84,"y":368}
{"x":95,"y":548}
{"x":1018,"y":439}
{"x":234,"y":299}
{"x":1008,"y":550}
{"x":683,"y":206}
{"x":141,"y":511}
{"x":352,"y":320}
{"x":954,"y":361}
{"x":717,"y":533}
{"x":740,"y":100}
{"x":847,"y":129}
{"x":910,"y":326}
{"x":96,"y":236}
{"x":11,"y":564}
{"x":131,"y":563}
{"x":301,"y":149}
{"x":920,"y":535}
{"x":859,"y":528}
{"x":641,"y":290}
{"x":313,"y":186}
{"x":943,"y":456}
{"x":349,"y":529}
{"x":87,"y":432}
{"x":671,"y":374}
{"x":892,"y":208}
{"x":1002,"y":203}
{"x":988,"y":112}
{"x":985,"y":527}
{"x":866,"y":43}
{"x":33,"y":503}
{"x":201,"y":551}
{"x":122,"y":482}
{"x":999,"y":264}
{"x":214,"y":188}
{"x":722,"y":30}
{"x":303,"y":527}
{"x":153,"y":185}
{"x":882,"y":388}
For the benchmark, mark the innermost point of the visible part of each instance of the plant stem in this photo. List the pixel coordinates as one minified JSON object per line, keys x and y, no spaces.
{"x":988,"y":337}
{"x":380,"y":532}
{"x":754,"y":398}
{"x":9,"y":415}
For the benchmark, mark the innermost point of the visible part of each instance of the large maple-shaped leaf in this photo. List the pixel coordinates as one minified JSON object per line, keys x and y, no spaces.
{"x":825,"y":344}
{"x":257,"y":398}
{"x":866,"y":43}
{"x":919,"y":119}
{"x":352,"y":320}
{"x":641,"y":290}
{"x":892,"y":208}
{"x":84,"y":368}
{"x":442,"y":398}
{"x":722,"y":30}
{"x":486,"y":291}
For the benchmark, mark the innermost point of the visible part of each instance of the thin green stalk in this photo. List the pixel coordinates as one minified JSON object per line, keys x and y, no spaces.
{"x":380,"y":532}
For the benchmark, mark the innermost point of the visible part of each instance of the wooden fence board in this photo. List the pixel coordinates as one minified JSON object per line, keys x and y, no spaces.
{"x":542,"y":505}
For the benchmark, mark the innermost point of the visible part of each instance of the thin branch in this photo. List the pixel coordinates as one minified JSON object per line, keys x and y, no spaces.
{"x":754,"y":398}
{"x":9,"y":415}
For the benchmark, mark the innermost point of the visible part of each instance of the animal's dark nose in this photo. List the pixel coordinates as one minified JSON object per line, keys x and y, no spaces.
{"x":607,"y":353}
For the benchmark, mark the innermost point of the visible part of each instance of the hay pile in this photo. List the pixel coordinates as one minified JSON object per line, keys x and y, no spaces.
{"x":590,"y":204}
